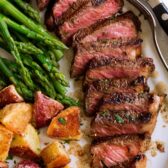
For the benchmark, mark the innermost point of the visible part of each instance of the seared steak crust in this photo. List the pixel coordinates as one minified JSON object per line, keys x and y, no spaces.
{"x":74,"y":6}
{"x":110,"y":123}
{"x":118,"y":151}
{"x":49,"y":19}
{"x":126,"y":101}
{"x":111,"y":68}
{"x":99,"y":30}
{"x":102,"y":61}
{"x":96,"y":91}
{"x":129,"y":48}
{"x":106,"y":86}
{"x":88,"y":14}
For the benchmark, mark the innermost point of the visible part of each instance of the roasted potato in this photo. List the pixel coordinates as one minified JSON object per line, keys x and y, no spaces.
{"x":28,"y":164}
{"x":3,"y":165}
{"x":45,"y":109}
{"x":66,"y":125}
{"x":54,"y":155}
{"x":28,"y":145}
{"x":9,"y":95}
{"x":5,"y":141}
{"x":141,"y":162}
{"x":67,"y":166}
{"x":16,"y":117}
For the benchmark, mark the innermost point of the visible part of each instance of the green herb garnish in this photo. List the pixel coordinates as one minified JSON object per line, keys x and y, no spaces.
{"x":62,"y":120}
{"x":118,"y":119}
{"x":104,"y":113}
{"x":67,"y":141}
{"x":10,"y":157}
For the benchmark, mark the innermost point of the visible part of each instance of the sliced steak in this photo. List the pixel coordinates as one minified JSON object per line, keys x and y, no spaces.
{"x":49,"y":19}
{"x":42,"y":4}
{"x":123,"y":26}
{"x":118,"y":152}
{"x":61,"y":11}
{"x":89,"y":14}
{"x":114,"y":122}
{"x":98,"y":89}
{"x":129,"y":48}
{"x":111,"y":68}
{"x":127,"y":101}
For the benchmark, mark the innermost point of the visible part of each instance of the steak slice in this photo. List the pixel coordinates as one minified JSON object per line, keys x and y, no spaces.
{"x":89,"y":14}
{"x":98,"y":89}
{"x":129,"y":48}
{"x":49,"y":19}
{"x":111,"y":68}
{"x":123,"y":26}
{"x":42,"y":4}
{"x":61,"y":11}
{"x":119,"y":122}
{"x":119,"y":151}
{"x":127,"y":101}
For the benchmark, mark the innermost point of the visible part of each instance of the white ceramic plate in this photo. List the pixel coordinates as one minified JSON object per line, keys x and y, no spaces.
{"x":161,"y":130}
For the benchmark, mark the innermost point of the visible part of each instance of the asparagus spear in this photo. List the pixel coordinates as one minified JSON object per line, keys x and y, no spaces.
{"x":14,"y":51}
{"x":28,"y":48}
{"x":28,"y":9}
{"x":30,"y":34}
{"x":19,"y":16}
{"x":40,"y":76}
{"x":62,"y":98}
{"x":20,"y":87}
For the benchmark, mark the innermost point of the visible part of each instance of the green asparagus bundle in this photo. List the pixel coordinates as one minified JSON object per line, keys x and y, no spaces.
{"x":27,"y":9}
{"x":6,"y":6}
{"x":20,"y":87}
{"x":14,"y":51}
{"x":35,"y":51}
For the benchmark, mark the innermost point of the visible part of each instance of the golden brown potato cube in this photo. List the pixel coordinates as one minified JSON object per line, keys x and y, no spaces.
{"x":28,"y":145}
{"x":66,"y":125}
{"x":54,"y":155}
{"x":141,"y":162}
{"x":16,"y":117}
{"x":3,"y":165}
{"x":9,"y":95}
{"x":5,"y":141}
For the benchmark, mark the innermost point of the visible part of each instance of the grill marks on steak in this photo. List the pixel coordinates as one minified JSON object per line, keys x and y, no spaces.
{"x":88,"y":15}
{"x":129,"y":48}
{"x":123,"y":26}
{"x":126,"y":101}
{"x":61,"y":11}
{"x":67,"y":9}
{"x":126,"y":121}
{"x":118,"y":151}
{"x":111,"y":68}
{"x":98,"y":89}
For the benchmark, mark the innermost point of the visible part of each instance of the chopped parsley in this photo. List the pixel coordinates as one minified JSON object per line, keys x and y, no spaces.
{"x":10,"y":157}
{"x":118,"y":119}
{"x":66,"y":141}
{"x":62,"y":120}
{"x":104,"y":113}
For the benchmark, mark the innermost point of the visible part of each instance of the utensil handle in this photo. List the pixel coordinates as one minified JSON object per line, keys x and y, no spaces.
{"x":161,"y":13}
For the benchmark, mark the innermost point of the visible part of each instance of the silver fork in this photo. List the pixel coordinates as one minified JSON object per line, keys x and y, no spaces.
{"x":160,"y":37}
